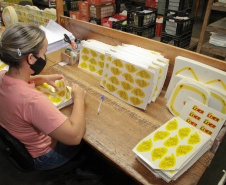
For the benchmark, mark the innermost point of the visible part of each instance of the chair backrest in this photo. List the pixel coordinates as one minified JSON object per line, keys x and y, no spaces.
{"x":16,"y":152}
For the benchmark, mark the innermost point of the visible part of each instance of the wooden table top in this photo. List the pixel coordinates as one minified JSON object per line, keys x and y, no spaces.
{"x":119,"y":127}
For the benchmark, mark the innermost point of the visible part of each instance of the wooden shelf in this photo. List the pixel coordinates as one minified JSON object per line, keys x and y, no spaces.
{"x":219,"y":6}
{"x":215,"y":50}
{"x":218,"y":26}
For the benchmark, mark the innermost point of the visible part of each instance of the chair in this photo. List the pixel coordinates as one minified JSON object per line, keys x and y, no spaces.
{"x":18,"y":155}
{"x":16,"y":152}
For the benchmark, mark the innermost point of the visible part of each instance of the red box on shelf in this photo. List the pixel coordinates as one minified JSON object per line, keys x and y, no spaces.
{"x":75,"y":14}
{"x":99,"y":2}
{"x":84,"y":8}
{"x":101,"y":11}
{"x":105,"y":21}
{"x":151,"y":3}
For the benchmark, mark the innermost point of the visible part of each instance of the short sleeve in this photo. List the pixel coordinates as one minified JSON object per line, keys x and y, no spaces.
{"x":43,"y":114}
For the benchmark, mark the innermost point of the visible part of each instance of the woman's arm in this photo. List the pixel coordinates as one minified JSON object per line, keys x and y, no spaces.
{"x":73,"y":129}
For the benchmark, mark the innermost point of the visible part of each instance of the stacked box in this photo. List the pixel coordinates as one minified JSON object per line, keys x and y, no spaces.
{"x":177,"y":23}
{"x":121,"y":5}
{"x":151,"y":3}
{"x":180,"y":6}
{"x":99,"y":2}
{"x":101,"y":11}
{"x":142,"y":21}
{"x":145,"y":31}
{"x":113,"y":24}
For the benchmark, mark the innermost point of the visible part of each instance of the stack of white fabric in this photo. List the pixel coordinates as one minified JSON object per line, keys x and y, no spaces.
{"x":173,"y":148}
{"x":218,"y":39}
{"x":133,"y":74}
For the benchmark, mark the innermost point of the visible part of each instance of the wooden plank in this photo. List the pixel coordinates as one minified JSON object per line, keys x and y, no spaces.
{"x":84,"y":30}
{"x":119,"y":127}
{"x":59,"y":9}
{"x":205,"y":22}
{"x":219,"y":6}
{"x":218,"y":26}
{"x":215,"y":50}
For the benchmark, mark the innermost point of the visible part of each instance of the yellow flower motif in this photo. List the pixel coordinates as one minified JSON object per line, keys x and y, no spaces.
{"x":92,"y":68}
{"x":109,"y":58}
{"x":85,"y":57}
{"x":183,"y":150}
{"x":101,"y":64}
{"x":131,"y":68}
{"x":115,"y":71}
{"x":145,"y":146}
{"x":126,"y":86}
{"x":142,"y":83}
{"x":102,"y":57}
{"x":138,"y":92}
{"x":55,"y":99}
{"x":111,"y":88}
{"x":168,"y":162}
{"x":123,"y":95}
{"x":184,"y":132}
{"x":158,"y":153}
{"x":93,"y":61}
{"x":128,"y":77}
{"x":194,"y":139}
{"x":85,"y":51}
{"x":83,"y":65}
{"x":172,"y":125}
{"x":172,"y":141}
{"x":143,"y":74}
{"x":161,"y":135}
{"x":118,"y":63}
{"x":114,"y":80}
{"x":100,"y":72}
{"x":135,"y":101}
{"x":93,"y":53}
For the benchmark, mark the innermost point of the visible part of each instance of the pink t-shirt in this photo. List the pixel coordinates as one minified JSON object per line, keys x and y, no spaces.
{"x":28,"y":114}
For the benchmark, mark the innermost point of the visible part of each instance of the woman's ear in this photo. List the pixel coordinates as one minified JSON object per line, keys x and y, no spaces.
{"x":31,"y":59}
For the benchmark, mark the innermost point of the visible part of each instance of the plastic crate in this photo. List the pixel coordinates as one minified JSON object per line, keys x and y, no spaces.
{"x":99,"y":2}
{"x":72,"y":5}
{"x":179,"y":5}
{"x":101,"y":11}
{"x":75,"y":14}
{"x":95,"y":20}
{"x":146,"y":31}
{"x":183,"y":13}
{"x":120,"y":7}
{"x":84,"y":8}
{"x":112,"y":24}
{"x":182,"y":41}
{"x":146,"y":16}
{"x":151,"y":3}
{"x":174,"y":26}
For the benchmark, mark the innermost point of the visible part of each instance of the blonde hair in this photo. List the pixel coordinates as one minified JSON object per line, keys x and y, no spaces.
{"x":21,"y":37}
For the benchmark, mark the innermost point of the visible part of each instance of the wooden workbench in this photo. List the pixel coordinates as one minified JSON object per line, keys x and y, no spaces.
{"x":119,"y":126}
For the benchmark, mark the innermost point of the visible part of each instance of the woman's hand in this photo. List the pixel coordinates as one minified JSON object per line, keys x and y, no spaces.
{"x":49,"y":79}
{"x":78,"y":93}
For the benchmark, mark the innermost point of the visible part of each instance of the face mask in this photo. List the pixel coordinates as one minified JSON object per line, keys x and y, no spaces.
{"x":38,"y":66}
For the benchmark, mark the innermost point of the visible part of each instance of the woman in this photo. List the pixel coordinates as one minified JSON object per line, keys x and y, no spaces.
{"x":28,"y":114}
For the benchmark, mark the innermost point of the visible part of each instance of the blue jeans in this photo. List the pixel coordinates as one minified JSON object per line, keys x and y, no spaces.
{"x":58,"y":156}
